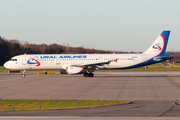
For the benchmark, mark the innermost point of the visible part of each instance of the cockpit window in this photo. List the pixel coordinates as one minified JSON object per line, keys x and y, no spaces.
{"x":13,"y":60}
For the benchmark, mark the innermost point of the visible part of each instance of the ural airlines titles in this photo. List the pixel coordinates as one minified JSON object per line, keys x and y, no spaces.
{"x":67,"y":56}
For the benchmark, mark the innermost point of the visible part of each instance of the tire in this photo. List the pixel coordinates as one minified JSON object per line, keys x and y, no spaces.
{"x":23,"y":75}
{"x":85,"y":75}
{"x":91,"y":75}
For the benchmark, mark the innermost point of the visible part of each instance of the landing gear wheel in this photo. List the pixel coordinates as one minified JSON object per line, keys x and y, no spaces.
{"x":85,"y":75}
{"x":23,"y":75}
{"x":91,"y":75}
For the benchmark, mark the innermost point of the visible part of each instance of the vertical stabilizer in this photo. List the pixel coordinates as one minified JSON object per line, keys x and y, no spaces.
{"x":159,"y":45}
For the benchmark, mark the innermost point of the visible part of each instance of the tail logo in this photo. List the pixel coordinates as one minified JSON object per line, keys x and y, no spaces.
{"x":157,"y":46}
{"x":34,"y":60}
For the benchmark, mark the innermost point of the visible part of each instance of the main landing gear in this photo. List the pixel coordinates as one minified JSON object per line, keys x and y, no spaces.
{"x":88,"y":74}
{"x":24,"y":75}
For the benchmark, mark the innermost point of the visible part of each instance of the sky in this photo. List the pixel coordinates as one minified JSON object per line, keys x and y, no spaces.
{"x":116,"y":25}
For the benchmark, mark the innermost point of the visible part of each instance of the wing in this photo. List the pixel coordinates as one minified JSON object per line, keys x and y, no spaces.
{"x":94,"y":65}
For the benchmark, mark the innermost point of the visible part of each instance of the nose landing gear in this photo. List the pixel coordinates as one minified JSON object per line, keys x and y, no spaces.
{"x":24,"y":75}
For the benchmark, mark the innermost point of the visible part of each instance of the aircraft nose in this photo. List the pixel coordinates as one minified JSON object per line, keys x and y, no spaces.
{"x":6,"y":65}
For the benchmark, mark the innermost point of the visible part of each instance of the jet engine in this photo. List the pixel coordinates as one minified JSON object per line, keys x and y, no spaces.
{"x":72,"y":70}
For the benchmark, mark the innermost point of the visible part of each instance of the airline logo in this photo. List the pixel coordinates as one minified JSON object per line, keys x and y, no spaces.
{"x":34,"y":60}
{"x":64,"y":56}
{"x":75,"y":56}
{"x":157,"y":46}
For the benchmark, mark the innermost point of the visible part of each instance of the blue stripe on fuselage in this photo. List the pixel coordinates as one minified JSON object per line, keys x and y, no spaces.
{"x":149,"y":62}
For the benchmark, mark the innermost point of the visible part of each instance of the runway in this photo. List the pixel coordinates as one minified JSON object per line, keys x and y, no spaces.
{"x":152,"y":93}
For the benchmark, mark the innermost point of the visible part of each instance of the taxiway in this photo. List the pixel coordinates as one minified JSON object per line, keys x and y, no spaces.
{"x":152,"y":94}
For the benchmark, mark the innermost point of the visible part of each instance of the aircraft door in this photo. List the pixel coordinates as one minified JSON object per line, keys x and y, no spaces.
{"x":58,"y":62}
{"x":99,"y":59}
{"x":144,"y":58}
{"x":24,"y":60}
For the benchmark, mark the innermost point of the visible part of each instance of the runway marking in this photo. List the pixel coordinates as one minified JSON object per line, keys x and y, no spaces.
{"x":122,"y":88}
{"x":175,"y":80}
{"x":15,"y":78}
{"x":92,"y":89}
{"x":153,"y":88}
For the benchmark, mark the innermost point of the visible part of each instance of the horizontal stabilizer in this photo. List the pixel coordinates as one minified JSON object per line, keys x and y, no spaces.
{"x":163,"y":57}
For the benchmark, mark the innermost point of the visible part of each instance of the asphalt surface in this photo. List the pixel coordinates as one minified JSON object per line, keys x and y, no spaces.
{"x":137,"y":109}
{"x":152,"y":94}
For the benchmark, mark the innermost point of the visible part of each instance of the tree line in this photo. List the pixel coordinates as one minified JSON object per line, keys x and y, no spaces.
{"x":10,"y":48}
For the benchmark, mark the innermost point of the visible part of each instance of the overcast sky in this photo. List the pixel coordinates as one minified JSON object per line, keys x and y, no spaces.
{"x":120,"y":25}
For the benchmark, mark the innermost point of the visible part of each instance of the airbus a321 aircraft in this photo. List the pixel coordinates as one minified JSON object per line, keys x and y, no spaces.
{"x":86,"y":63}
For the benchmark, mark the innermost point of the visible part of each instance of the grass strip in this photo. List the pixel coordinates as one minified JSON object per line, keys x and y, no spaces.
{"x":22,"y":105}
{"x":2,"y":68}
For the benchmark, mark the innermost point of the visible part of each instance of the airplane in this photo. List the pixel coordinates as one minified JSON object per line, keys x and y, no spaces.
{"x":86,"y":64}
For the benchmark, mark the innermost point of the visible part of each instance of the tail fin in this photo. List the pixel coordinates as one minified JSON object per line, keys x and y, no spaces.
{"x":159,"y":45}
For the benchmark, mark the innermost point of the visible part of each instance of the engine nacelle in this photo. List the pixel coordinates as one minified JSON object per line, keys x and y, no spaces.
{"x":74,"y":70}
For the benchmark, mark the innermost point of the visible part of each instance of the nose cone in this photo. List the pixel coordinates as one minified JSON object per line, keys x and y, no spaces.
{"x":6,"y":65}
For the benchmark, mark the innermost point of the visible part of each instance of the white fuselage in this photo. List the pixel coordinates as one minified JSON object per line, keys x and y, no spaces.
{"x":61,"y":61}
